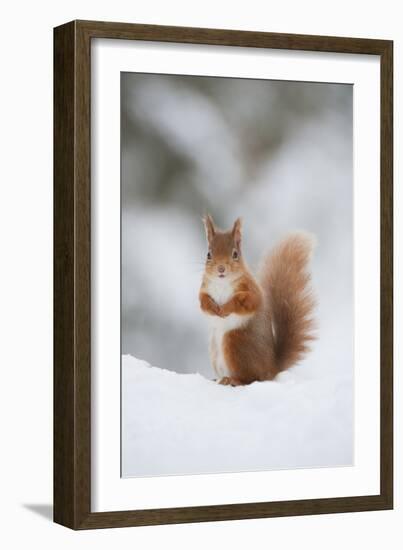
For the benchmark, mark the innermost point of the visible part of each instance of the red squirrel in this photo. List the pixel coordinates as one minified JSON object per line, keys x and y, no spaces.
{"x":260,"y":325}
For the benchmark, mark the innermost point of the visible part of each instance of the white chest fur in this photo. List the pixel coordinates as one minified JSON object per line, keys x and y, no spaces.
{"x":221,"y":292}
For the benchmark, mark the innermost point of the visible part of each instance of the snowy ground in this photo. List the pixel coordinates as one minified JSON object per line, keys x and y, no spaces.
{"x":185,"y":424}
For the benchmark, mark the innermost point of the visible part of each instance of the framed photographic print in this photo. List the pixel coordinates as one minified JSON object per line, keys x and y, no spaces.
{"x":222,"y":275}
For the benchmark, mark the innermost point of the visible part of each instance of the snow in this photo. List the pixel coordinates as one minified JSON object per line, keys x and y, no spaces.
{"x":186,"y":424}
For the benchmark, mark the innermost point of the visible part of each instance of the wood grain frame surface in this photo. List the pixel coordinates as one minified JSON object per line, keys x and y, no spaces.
{"x":72,"y":270}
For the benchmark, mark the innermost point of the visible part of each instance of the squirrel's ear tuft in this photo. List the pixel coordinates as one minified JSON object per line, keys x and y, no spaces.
{"x":237,"y":232}
{"x":209,"y":226}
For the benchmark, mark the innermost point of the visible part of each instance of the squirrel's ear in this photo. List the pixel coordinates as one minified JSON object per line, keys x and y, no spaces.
{"x":209,"y":226}
{"x":237,"y":232}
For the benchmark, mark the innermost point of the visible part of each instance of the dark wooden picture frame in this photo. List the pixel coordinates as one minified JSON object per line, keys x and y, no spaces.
{"x":72,"y":268}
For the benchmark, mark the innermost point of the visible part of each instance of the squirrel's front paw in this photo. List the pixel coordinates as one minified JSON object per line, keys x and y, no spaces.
{"x":208,"y":305}
{"x":222,"y":312}
{"x":214,"y":307}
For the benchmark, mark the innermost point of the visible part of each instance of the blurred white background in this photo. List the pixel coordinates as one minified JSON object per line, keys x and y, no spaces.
{"x":279,"y":154}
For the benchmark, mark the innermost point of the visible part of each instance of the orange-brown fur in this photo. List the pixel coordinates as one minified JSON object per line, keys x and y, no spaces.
{"x":291,"y":302}
{"x":272,"y":315}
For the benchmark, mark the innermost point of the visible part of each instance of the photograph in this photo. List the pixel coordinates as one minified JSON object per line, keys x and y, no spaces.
{"x":223,"y":274}
{"x":237,"y":319}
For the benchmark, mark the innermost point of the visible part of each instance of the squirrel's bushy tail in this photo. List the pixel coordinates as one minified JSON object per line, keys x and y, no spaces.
{"x":286,"y":282}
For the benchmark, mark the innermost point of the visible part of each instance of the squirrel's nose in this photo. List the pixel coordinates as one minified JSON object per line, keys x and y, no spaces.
{"x":221,"y":269}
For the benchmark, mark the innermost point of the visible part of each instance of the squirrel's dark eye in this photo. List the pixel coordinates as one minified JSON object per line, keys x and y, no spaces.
{"x":235,"y":255}
{"x":209,"y":255}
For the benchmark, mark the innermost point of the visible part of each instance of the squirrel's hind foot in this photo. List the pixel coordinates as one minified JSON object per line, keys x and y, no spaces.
{"x":229,"y":381}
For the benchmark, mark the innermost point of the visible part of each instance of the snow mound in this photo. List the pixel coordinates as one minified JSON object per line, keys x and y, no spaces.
{"x":185,"y":424}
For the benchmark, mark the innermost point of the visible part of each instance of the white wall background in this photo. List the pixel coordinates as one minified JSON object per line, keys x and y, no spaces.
{"x":26,"y":277}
